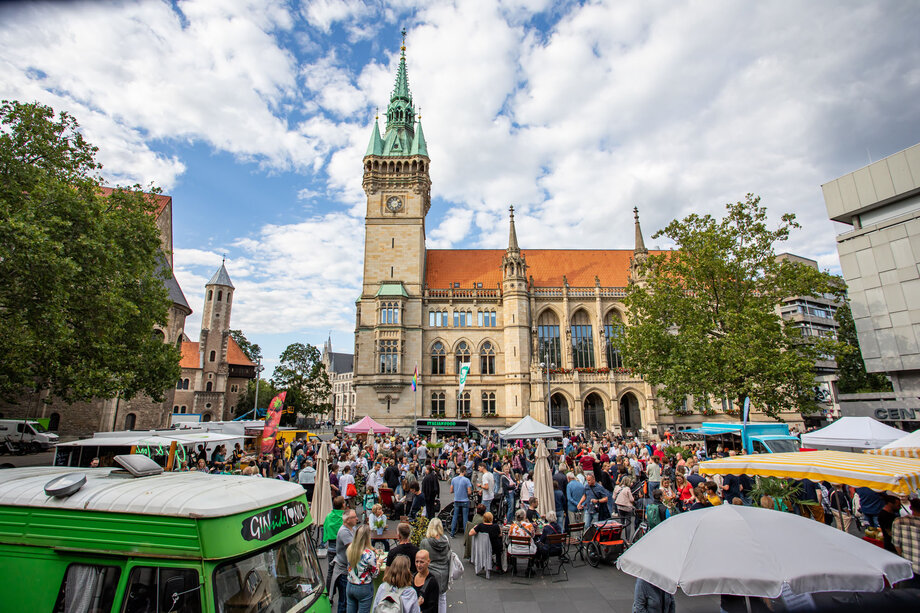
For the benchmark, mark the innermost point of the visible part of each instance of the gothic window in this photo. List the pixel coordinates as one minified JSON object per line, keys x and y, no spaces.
{"x":463,"y":354}
{"x":212,"y":356}
{"x":488,"y":403}
{"x":437,"y":319}
{"x":613,"y":330}
{"x":389,"y":357}
{"x":209,"y":387}
{"x":548,"y":339}
{"x":487,"y":359}
{"x":463,"y":319}
{"x":389,"y":313}
{"x":463,"y":404}
{"x":582,"y":341}
{"x":437,"y":358}
{"x":437,"y":404}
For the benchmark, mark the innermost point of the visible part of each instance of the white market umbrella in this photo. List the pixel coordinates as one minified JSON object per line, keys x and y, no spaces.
{"x":769,"y":548}
{"x":543,"y":481}
{"x":321,"y":505}
{"x":434,"y":435}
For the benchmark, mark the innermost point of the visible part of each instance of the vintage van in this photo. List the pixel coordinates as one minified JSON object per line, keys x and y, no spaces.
{"x":140,"y":540}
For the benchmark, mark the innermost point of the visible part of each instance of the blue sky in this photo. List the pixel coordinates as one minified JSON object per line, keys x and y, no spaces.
{"x":254,"y":117}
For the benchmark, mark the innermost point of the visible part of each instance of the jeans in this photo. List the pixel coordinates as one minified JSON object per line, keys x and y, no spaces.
{"x":461,"y":509}
{"x":341,"y":586}
{"x":360,"y":597}
{"x":590,"y":515}
{"x":871,"y":520}
{"x":652,"y":486}
{"x":509,"y":515}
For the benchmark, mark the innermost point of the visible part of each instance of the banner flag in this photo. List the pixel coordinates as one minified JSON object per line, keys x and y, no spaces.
{"x":272,"y":419}
{"x":464,"y":371}
{"x":746,"y":410}
{"x":415,"y":378}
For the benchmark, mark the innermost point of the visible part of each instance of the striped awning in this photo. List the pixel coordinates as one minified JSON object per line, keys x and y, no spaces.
{"x":898,"y":452}
{"x":878,"y":472}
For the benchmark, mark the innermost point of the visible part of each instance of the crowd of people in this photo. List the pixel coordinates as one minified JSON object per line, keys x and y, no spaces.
{"x":595,"y":477}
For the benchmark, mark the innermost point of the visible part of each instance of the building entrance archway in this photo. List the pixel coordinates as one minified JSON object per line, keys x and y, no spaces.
{"x":630,"y":416}
{"x":559,"y":411}
{"x":595,"y":419}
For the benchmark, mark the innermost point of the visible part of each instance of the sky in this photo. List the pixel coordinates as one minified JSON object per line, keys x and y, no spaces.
{"x":255,"y":115}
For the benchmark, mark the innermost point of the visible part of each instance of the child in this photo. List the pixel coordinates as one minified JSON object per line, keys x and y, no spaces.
{"x":370,"y":500}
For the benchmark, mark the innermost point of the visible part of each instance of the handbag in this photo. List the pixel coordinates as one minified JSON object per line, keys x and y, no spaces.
{"x":351,"y":491}
{"x":456,"y":569}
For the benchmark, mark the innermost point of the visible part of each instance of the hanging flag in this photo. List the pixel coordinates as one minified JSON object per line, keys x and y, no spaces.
{"x":415,"y":378}
{"x":746,"y":410}
{"x":464,"y":371}
{"x":272,"y":419}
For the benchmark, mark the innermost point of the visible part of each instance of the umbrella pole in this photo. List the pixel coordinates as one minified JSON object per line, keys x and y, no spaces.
{"x":747,"y":603}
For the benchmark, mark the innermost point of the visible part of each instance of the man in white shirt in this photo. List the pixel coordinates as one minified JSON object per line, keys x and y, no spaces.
{"x":486,"y":486}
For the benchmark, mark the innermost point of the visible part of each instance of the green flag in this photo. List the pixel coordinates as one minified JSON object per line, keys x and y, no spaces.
{"x":464,"y":371}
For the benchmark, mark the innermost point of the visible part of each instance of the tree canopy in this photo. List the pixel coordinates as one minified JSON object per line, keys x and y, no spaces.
{"x":705,"y":321}
{"x":302,"y":374}
{"x":81,"y":273}
{"x":252,"y":350}
{"x":852,"y":377}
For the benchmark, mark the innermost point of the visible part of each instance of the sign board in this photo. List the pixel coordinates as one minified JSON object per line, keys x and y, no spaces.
{"x":266,"y":524}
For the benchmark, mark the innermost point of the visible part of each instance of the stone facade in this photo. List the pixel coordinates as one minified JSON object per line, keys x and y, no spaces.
{"x":341,"y":371}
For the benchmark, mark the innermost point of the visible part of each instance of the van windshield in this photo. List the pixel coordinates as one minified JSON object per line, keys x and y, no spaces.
{"x":283,"y":577}
{"x":37,"y":426}
{"x":782,"y":445}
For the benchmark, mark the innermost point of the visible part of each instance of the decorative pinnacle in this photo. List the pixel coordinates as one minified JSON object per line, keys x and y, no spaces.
{"x":403,"y":47}
{"x":512,"y":234}
{"x":640,"y":242}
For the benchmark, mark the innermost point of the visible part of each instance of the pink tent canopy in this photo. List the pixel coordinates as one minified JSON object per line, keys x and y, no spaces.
{"x":367,"y":426}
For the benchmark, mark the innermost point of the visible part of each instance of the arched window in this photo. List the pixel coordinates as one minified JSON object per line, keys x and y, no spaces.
{"x":179,"y":384}
{"x":207,"y":417}
{"x":54,"y":422}
{"x":208,"y":387}
{"x":463,"y":354}
{"x":437,"y":358}
{"x":487,"y":359}
{"x":582,"y":341}
{"x":130,"y":419}
{"x":212,"y":356}
{"x":185,"y":384}
{"x":183,"y":409}
{"x":488,"y":403}
{"x":210,"y":294}
{"x":176,"y":409}
{"x":463,"y":404}
{"x":548,"y":339}
{"x":437,"y":404}
{"x":613,"y":330}
{"x":228,"y":297}
{"x":220,"y":293}
{"x":389,"y":356}
{"x":389,"y":313}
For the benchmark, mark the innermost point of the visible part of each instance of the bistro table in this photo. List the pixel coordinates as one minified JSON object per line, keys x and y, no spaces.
{"x":388,"y":534}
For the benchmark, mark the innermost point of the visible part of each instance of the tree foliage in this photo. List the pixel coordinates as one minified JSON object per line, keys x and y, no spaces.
{"x":252,"y":350}
{"x":852,"y":377}
{"x":302,"y":374}
{"x":706,"y":322}
{"x":267,"y":391}
{"x":81,"y":286}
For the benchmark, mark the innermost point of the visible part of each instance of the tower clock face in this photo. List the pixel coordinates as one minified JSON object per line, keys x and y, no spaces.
{"x":394,"y":203}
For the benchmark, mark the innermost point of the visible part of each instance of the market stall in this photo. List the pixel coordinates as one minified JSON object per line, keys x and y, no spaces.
{"x":366,"y":425}
{"x":529,"y":428}
{"x":852,"y":434}
{"x":905,"y":447}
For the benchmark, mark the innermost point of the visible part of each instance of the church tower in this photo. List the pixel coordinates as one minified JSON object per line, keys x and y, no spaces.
{"x":516,"y":317}
{"x":388,"y":338}
{"x":212,"y":343}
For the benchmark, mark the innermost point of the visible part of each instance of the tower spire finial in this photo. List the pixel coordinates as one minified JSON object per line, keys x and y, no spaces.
{"x":640,"y":242}
{"x":512,"y":234}
{"x":402,"y":48}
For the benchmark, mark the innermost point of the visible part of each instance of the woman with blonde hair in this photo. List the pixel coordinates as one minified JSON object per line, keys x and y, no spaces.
{"x":362,"y":568}
{"x":397,"y":585}
{"x":438,"y":547}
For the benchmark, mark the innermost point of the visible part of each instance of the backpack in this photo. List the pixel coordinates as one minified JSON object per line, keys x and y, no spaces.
{"x":390,"y":603}
{"x":653,"y":515}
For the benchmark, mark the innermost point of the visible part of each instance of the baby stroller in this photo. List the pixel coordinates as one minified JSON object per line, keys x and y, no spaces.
{"x":603,"y":541}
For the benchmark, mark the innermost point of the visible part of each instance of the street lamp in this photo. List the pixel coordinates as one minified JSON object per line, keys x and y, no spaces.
{"x":255,"y":403}
{"x":547,"y":365}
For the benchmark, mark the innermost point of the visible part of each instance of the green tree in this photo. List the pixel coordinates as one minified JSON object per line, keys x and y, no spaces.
{"x":80,"y":285}
{"x":252,"y":350}
{"x":302,"y":374}
{"x":706,"y":321}
{"x":267,"y":391}
{"x":852,"y":377}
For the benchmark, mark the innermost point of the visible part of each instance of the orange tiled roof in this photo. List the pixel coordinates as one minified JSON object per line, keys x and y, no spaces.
{"x":235,"y":355}
{"x":161,"y":199}
{"x":189,"y":355}
{"x":547,"y":266}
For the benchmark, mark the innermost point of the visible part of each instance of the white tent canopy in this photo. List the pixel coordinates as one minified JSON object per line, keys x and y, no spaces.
{"x":852,"y":433}
{"x":528,"y":427}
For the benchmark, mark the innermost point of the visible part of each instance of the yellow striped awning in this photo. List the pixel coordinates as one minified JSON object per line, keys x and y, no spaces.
{"x":899,"y":452}
{"x":878,"y":472}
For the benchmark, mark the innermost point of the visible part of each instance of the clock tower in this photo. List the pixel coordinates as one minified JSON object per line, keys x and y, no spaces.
{"x":388,"y":335}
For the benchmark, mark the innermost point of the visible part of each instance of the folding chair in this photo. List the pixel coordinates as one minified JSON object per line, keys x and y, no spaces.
{"x":576,"y":532}
{"x":521,"y":544}
{"x":560,"y":541}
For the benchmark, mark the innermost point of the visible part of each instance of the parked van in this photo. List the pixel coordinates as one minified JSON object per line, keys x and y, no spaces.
{"x":107,"y":540}
{"x":29,"y":433}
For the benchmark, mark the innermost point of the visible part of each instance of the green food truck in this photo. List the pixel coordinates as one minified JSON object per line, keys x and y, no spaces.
{"x":137,"y":540}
